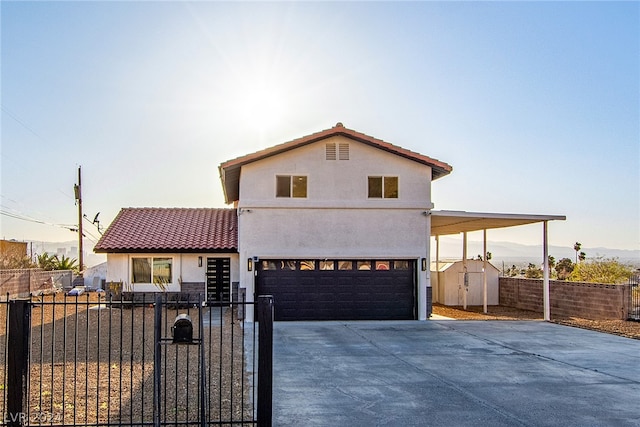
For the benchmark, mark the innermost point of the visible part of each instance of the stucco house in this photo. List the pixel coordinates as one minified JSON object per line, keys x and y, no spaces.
{"x":334,"y":225}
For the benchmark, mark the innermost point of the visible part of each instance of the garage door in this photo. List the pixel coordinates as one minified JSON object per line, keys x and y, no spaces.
{"x":339,"y":289}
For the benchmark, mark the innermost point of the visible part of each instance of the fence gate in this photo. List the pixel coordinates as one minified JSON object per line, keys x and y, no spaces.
{"x":634,"y":297}
{"x":159,"y":361}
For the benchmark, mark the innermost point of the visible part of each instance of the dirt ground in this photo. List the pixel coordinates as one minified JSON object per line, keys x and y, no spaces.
{"x":625,"y":328}
{"x":96,"y":365}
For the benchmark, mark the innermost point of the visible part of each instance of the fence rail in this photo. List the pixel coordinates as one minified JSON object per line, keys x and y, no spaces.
{"x":634,"y":297}
{"x":96,"y":362}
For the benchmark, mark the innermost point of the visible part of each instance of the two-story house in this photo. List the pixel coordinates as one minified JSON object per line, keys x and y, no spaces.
{"x":334,"y":225}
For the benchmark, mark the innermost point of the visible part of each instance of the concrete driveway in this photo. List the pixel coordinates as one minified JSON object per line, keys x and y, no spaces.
{"x":453,"y":373}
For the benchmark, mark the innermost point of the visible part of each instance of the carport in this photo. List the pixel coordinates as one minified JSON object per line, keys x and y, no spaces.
{"x":456,"y":222}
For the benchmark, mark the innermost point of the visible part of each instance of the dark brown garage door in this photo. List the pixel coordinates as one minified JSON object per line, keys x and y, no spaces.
{"x":339,"y":289}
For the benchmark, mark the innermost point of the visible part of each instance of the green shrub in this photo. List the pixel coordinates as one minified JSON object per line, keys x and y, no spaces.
{"x":601,"y":270}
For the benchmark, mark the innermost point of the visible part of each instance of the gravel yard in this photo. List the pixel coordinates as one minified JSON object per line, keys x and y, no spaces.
{"x":95,"y":364}
{"x":623,"y":328}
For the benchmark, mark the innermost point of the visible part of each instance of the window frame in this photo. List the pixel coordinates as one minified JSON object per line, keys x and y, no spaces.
{"x":151,"y":260}
{"x":383,"y":186}
{"x":291,"y":192}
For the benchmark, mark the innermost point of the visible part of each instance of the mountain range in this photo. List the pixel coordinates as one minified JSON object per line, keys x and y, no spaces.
{"x":450,"y":248}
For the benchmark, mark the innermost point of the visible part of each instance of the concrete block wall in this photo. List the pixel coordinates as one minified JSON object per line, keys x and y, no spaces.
{"x":22,"y":282}
{"x":597,"y":301}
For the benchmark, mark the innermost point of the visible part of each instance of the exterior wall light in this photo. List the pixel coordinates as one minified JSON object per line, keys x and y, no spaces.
{"x":250,"y":264}
{"x":199,"y":261}
{"x":424,"y":264}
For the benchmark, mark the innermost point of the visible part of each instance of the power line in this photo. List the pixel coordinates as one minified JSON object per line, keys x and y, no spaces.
{"x":20,"y":122}
{"x":29,"y":219}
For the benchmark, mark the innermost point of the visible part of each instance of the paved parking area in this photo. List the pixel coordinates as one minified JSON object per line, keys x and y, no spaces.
{"x":453,"y":373}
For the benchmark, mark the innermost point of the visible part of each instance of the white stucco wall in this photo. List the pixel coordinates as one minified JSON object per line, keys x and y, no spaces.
{"x":184,"y":269}
{"x":336,"y":219}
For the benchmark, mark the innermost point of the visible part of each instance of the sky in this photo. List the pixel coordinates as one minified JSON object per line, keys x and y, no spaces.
{"x":536,"y":105}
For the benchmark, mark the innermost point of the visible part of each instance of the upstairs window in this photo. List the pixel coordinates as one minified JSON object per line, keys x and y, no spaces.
{"x":383,"y":187}
{"x":291,"y":186}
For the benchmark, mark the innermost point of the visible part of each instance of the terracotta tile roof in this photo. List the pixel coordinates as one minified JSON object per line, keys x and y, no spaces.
{"x":171,"y":230}
{"x":230,"y":170}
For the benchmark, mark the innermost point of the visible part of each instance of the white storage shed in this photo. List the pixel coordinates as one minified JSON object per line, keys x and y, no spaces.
{"x":449,"y":283}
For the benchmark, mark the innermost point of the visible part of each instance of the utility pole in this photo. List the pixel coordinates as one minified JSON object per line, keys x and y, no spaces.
{"x":77,"y":189}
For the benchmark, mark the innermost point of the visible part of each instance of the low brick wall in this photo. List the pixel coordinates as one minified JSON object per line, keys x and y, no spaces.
{"x":22,"y":282}
{"x":595,"y":301}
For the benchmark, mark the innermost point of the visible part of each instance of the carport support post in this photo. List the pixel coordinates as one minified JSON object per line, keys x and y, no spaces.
{"x":265,"y":360}
{"x":545,"y":271}
{"x":484,"y":271}
{"x":465,"y":278}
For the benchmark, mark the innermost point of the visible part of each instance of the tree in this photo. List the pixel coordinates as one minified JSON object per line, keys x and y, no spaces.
{"x":46,"y":261}
{"x":489,"y":256}
{"x":601,"y":270}
{"x":533,"y":272}
{"x":512,"y":271}
{"x":582,"y":256}
{"x":563,"y":268}
{"x":65,"y":263}
{"x":576,"y":248}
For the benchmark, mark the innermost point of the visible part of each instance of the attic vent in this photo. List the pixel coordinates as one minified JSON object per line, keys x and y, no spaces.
{"x":343,"y":151}
{"x":331,"y":151}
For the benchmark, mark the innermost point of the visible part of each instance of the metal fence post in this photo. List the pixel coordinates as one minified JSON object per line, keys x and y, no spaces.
{"x":265,"y":360}
{"x":18,"y":361}
{"x":157,"y":359}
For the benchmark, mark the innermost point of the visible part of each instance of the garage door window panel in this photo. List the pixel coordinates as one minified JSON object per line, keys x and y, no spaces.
{"x":364,"y":265}
{"x":327,"y":265}
{"x":345,"y":265}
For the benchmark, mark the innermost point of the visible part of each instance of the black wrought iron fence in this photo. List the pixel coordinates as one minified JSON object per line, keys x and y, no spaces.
{"x":96,"y":362}
{"x":634,"y":297}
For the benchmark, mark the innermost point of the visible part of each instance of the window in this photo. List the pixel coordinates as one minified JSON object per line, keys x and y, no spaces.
{"x":364,"y":265}
{"x":268,"y":265}
{"x":345,"y":265}
{"x":307,"y":265}
{"x":151,"y":270}
{"x":401,"y":265}
{"x":288,"y":265}
{"x":383,"y":187}
{"x":326,"y":265}
{"x":291,"y":186}
{"x":382,"y":265}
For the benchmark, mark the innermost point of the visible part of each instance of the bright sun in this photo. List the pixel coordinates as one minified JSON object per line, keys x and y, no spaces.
{"x":259,"y":103}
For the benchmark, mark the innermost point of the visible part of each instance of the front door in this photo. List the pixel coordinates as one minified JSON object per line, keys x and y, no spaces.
{"x":219,"y":279}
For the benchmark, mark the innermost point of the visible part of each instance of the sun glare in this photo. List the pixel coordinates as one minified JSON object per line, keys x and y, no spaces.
{"x":259,"y":103}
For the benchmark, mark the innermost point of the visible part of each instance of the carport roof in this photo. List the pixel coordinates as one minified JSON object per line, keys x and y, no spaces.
{"x":455,"y":222}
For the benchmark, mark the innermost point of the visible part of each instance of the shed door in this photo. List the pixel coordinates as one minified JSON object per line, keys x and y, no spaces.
{"x":339,"y":290}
